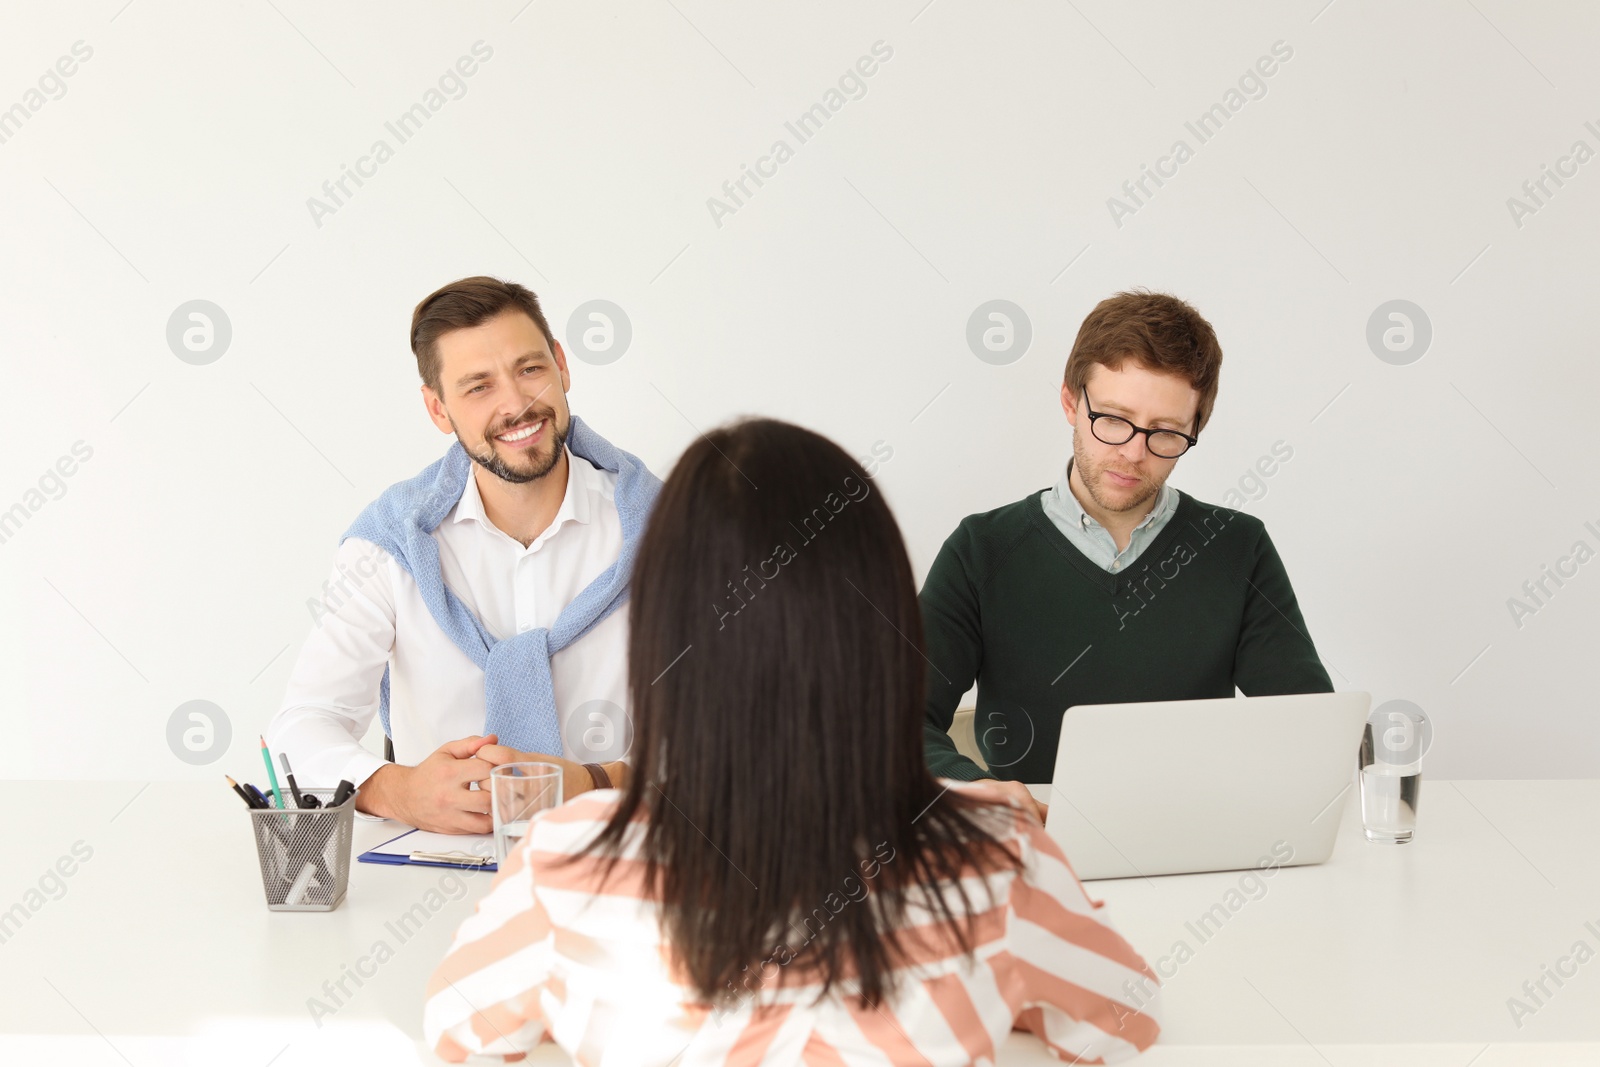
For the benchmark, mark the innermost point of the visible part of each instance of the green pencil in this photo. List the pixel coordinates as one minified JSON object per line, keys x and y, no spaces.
{"x":272,"y":775}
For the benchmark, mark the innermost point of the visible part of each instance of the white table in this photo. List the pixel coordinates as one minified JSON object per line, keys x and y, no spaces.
{"x":160,"y":949}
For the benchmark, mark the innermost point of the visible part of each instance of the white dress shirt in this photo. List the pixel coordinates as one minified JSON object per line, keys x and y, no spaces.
{"x":376,"y":616}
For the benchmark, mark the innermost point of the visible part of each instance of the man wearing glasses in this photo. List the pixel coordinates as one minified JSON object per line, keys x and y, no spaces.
{"x":1111,"y":586}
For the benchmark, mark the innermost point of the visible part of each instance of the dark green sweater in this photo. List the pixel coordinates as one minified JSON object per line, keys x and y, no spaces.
{"x":1011,"y":604}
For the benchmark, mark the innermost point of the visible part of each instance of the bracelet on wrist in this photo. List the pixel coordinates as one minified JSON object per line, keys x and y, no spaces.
{"x":598,"y":775}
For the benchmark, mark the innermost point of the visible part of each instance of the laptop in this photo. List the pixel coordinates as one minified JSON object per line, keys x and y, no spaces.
{"x":1182,"y":786}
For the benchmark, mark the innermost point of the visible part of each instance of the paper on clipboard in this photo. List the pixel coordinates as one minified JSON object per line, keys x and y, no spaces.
{"x":401,"y":849}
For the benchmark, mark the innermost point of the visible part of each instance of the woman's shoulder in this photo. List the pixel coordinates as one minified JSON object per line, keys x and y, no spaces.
{"x":562,"y":853}
{"x":1042,"y":861}
{"x":587,"y":806}
{"x":569,"y":826}
{"x":997,"y":814}
{"x":988,"y":791}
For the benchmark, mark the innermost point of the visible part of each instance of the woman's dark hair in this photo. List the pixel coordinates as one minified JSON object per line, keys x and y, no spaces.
{"x":776,"y":671}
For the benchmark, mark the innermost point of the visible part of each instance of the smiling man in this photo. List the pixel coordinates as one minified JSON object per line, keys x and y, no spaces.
{"x":1111,"y":586}
{"x":474,"y":607}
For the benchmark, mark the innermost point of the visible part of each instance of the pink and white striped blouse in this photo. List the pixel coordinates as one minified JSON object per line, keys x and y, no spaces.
{"x":546,"y":958}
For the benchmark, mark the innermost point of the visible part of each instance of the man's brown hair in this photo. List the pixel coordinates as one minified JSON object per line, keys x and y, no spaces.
{"x":1157,"y":330}
{"x":462,"y":304}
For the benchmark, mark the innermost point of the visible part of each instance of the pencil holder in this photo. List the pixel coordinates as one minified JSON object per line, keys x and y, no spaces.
{"x":305,"y":853}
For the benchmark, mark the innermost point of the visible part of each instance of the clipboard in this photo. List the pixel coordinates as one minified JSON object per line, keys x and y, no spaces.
{"x":426,"y":849}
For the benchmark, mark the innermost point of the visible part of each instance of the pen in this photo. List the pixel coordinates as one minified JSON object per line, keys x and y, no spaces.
{"x":272,"y":775}
{"x":254,"y":798}
{"x":288,"y":774}
{"x":342,"y":794}
{"x":237,"y":788}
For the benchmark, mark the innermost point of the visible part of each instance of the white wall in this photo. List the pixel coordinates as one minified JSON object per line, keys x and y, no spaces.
{"x":178,"y":163}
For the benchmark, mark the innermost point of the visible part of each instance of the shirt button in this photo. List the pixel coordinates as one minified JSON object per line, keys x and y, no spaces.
{"x":525,"y":627}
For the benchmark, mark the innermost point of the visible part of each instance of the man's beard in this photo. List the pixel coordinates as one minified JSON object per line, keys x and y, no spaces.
{"x":491,"y":461}
{"x":1145,"y":489}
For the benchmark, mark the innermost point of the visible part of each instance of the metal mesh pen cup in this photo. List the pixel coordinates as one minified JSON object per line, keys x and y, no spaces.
{"x":305,"y":853}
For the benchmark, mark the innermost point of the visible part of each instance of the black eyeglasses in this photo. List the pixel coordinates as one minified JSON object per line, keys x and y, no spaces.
{"x":1115,"y":430}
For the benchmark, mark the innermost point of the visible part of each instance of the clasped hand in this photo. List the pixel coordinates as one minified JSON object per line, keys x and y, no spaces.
{"x":448,"y":792}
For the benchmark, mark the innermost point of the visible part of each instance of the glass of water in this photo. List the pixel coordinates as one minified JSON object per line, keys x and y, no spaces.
{"x":518,"y":792}
{"x":1391,"y":781}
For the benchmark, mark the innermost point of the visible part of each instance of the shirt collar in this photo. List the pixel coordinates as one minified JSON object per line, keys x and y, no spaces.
{"x":1074,"y":510}
{"x":576,"y":505}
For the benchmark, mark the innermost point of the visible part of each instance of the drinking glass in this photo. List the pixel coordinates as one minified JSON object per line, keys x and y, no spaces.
{"x":518,"y":792}
{"x":1391,"y":779}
